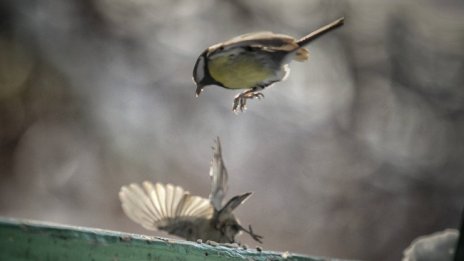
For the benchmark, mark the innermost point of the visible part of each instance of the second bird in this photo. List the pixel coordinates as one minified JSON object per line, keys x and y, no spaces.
{"x":176,"y":211}
{"x":252,"y":61}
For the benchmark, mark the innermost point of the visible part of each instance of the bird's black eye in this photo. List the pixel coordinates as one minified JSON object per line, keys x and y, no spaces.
{"x":221,"y":48}
{"x":248,"y":48}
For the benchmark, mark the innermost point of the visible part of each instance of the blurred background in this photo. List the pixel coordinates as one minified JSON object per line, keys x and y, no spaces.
{"x":357,"y":153}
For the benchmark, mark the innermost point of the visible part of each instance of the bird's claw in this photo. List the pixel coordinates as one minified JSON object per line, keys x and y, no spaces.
{"x":256,"y":237}
{"x":241,"y":99}
{"x":239,"y":104}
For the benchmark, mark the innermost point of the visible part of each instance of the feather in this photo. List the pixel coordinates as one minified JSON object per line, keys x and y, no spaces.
{"x":219,"y":177}
{"x":164,"y":207}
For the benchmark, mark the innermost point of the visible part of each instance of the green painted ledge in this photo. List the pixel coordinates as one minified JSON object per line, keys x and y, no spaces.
{"x":32,"y":240}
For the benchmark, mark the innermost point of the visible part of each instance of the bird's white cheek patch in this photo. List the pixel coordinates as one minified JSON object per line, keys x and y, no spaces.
{"x":285,"y":72}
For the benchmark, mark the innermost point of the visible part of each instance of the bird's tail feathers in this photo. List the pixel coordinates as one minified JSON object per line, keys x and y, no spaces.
{"x":321,"y":31}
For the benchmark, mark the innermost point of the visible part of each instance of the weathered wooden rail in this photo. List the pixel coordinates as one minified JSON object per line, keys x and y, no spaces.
{"x":32,"y":240}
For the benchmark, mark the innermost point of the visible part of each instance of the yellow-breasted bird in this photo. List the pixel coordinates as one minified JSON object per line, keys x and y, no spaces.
{"x":252,"y":61}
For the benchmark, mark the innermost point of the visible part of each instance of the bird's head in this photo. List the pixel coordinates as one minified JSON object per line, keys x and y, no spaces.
{"x":228,"y":224}
{"x":201,"y":75}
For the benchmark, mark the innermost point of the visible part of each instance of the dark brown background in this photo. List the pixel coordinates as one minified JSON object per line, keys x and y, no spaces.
{"x":357,"y":153}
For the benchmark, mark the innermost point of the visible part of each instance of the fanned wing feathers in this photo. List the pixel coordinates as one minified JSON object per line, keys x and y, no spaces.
{"x":219,"y":177}
{"x":161,"y":206}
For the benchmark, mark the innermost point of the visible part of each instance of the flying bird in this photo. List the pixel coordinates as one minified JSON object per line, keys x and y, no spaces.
{"x":253,"y":62}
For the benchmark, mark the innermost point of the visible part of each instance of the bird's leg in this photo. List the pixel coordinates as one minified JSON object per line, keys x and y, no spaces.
{"x":241,"y":99}
{"x":252,"y":234}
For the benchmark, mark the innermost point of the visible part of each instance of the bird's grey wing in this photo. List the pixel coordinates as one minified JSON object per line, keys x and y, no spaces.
{"x":233,"y":203}
{"x":219,"y":177}
{"x":268,"y":39}
{"x":266,"y":42}
{"x":158,"y":206}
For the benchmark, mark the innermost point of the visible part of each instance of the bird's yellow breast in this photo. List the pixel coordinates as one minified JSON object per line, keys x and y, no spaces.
{"x":240,"y":71}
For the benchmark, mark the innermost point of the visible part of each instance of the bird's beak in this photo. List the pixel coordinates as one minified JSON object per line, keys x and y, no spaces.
{"x":199,"y":89}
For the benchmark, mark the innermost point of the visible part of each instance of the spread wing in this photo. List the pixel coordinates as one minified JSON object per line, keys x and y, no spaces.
{"x":219,"y":177}
{"x":164,"y":207}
